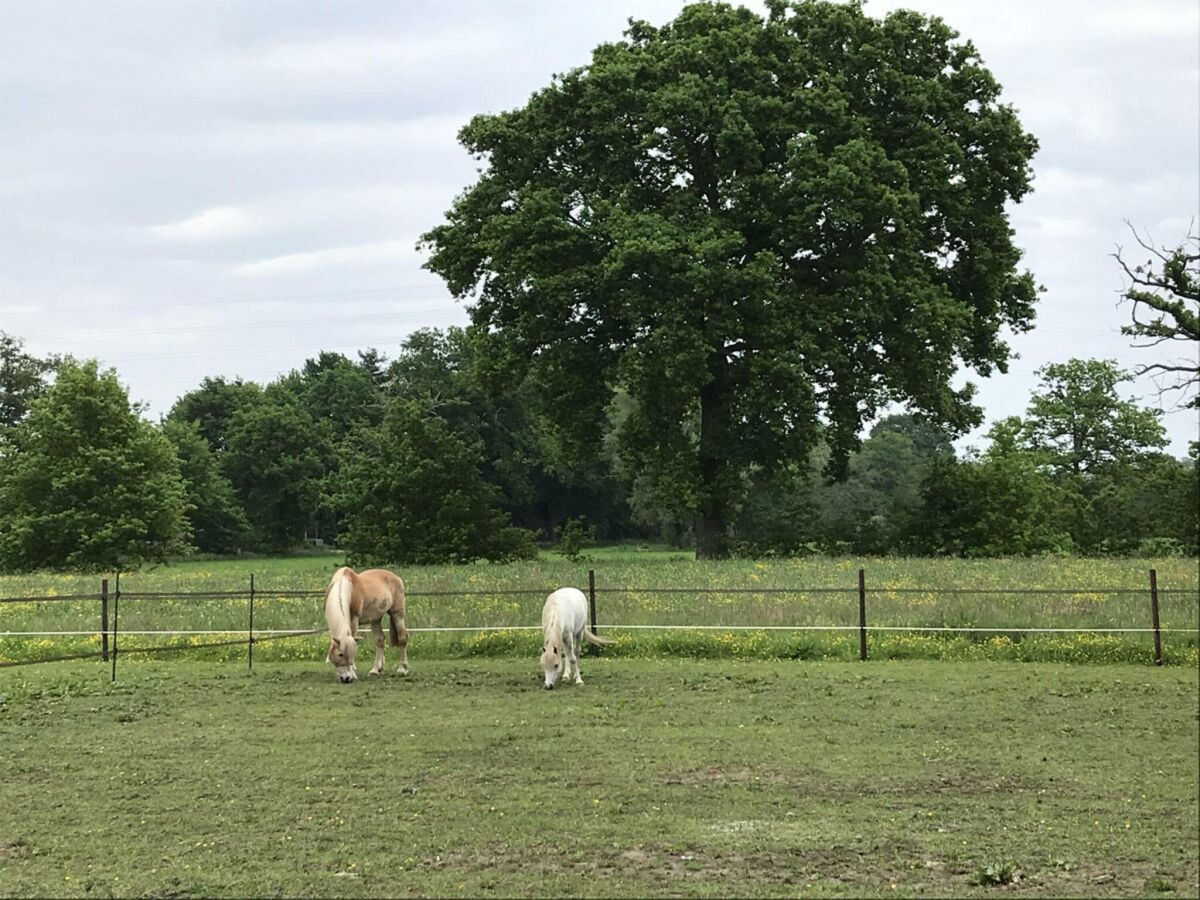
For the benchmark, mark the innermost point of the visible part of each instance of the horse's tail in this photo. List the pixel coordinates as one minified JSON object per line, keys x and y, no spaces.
{"x":592,"y":639}
{"x":396,"y":613}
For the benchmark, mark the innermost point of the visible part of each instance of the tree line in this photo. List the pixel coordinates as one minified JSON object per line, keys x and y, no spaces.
{"x":418,"y":459}
{"x":697,"y":268}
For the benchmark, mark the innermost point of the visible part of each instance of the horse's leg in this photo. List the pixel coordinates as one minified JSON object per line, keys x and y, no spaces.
{"x":400,"y":639}
{"x":377,"y":627}
{"x":573,"y":648}
{"x":575,"y":657}
{"x":566,"y":658}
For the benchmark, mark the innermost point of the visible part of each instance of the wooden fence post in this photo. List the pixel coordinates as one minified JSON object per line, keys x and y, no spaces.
{"x":1158,"y":657}
{"x":592,"y":605}
{"x":116,"y":624}
{"x":104,"y":620}
{"x":250,"y":641}
{"x":862,"y":614}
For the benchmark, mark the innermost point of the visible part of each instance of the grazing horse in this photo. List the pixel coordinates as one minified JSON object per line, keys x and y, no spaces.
{"x":363,"y":597}
{"x":564,"y":622}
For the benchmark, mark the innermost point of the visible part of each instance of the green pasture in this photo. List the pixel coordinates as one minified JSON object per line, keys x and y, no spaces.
{"x":902,"y":592}
{"x":662,"y":777}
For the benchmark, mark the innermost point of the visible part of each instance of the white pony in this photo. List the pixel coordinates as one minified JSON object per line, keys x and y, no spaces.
{"x":564,"y":622}
{"x":363,"y":597}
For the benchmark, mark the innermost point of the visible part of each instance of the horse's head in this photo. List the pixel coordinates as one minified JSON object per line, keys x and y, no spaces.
{"x":551,"y":663}
{"x":341,"y":655}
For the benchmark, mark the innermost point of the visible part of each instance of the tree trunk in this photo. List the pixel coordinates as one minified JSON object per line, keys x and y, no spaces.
{"x":715,"y":469}
{"x":710,"y":533}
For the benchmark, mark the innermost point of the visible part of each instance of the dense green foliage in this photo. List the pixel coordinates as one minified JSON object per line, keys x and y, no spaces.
{"x":213,"y":405}
{"x":86,"y":483}
{"x":22,"y":380}
{"x":427,"y":460}
{"x":276,"y":459}
{"x":216,"y":518}
{"x":763,"y":230}
{"x":412,"y":492}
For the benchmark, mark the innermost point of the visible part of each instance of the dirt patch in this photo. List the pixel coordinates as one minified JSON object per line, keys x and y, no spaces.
{"x":15,"y":848}
{"x":711,"y":775}
{"x":810,"y":782}
{"x":966,"y":784}
{"x":867,"y":865}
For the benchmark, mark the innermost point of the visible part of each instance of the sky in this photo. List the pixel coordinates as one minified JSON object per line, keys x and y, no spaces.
{"x":228,"y":188}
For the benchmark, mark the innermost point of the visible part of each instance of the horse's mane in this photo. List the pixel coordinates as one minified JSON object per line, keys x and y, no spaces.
{"x":342,"y":582}
{"x":551,"y":620}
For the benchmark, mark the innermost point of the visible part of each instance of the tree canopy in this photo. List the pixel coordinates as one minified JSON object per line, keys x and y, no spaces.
{"x":411,"y":491}
{"x":215,"y":516}
{"x":761,"y":229}
{"x":213,"y":405}
{"x":22,"y":379}
{"x":1083,"y":425}
{"x":277,"y":459}
{"x":86,"y":483}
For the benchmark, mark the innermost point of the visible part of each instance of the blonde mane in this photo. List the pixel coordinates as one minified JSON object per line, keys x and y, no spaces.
{"x":337,"y":614}
{"x":551,"y":624}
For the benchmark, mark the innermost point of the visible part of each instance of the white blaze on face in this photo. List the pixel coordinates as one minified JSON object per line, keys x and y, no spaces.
{"x":341,"y":655}
{"x":551,"y":663}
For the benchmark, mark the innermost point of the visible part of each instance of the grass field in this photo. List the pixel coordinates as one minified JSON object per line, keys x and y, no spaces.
{"x":902,"y":593}
{"x":656,"y":778}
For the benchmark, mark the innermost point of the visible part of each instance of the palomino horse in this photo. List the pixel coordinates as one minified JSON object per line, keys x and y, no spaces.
{"x":363,"y":597}
{"x":564,"y":622}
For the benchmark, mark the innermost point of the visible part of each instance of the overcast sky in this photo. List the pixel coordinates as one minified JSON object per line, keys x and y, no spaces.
{"x":227,"y":188}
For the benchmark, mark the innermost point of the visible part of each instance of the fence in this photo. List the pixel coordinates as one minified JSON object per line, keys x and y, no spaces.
{"x":109,"y":636}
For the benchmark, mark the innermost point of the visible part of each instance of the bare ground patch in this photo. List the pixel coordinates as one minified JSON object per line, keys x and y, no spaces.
{"x":811,"y":782}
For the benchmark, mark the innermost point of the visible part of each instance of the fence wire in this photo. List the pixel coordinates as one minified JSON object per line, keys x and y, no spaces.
{"x":253,"y":636}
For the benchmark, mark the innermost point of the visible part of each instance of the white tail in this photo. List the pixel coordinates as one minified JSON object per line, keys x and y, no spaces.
{"x":592,"y":639}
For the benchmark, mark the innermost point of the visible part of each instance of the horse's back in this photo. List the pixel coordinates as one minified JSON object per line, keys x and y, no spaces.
{"x":377,"y":579}
{"x":572,"y":609}
{"x":382,"y":590}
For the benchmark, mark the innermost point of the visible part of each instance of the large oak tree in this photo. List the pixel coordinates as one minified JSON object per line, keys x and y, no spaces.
{"x":762,"y":229}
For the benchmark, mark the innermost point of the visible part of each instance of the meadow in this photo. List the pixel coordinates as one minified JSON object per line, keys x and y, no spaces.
{"x":506,"y":599}
{"x":658,"y":777}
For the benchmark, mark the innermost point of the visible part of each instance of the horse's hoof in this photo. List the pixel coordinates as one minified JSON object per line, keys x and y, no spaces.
{"x":402,"y":670}
{"x":375,"y":672}
{"x":579,"y":681}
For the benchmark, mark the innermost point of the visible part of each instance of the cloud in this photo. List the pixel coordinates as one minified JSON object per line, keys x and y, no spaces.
{"x":220,"y":222}
{"x":397,"y":252}
{"x":374,"y":56}
{"x":1135,"y":21}
{"x":1062,"y":228}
